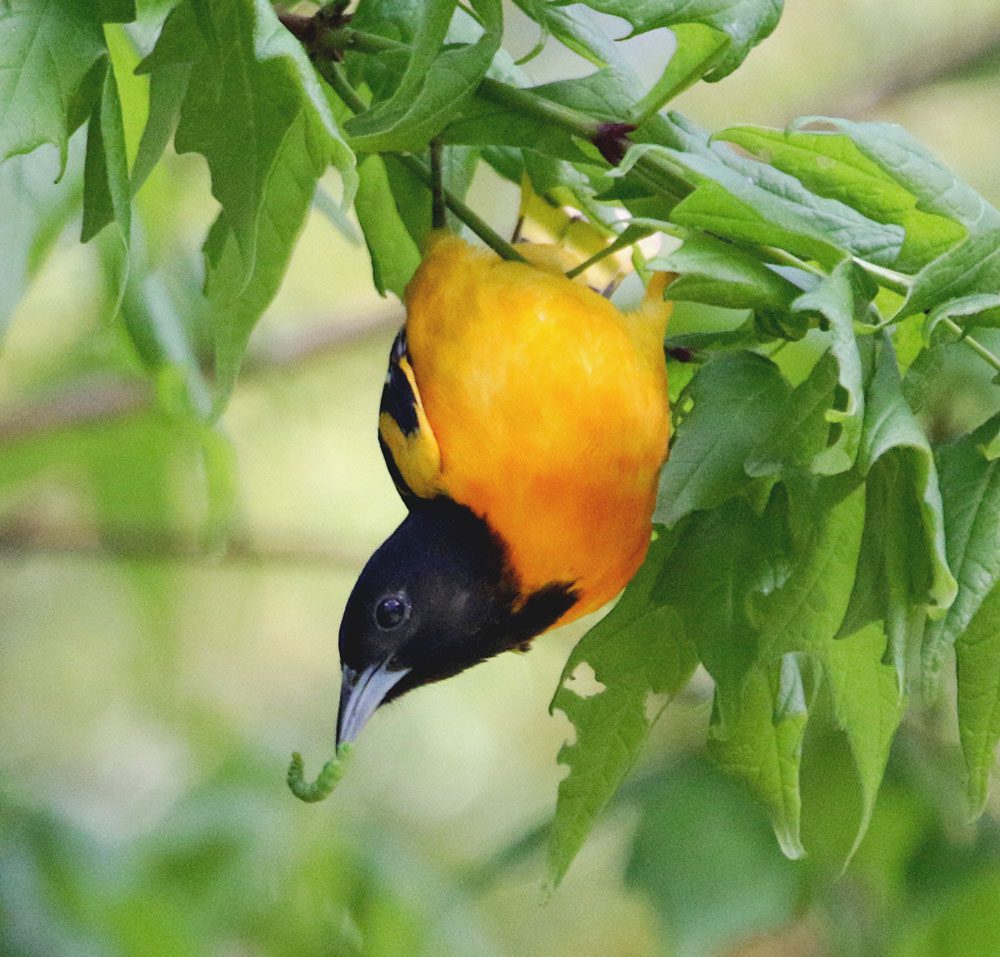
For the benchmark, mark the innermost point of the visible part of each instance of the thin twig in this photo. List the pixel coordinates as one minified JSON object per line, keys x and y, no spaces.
{"x":332,"y":73}
{"x":974,"y":344}
{"x":438,"y":214}
{"x":944,"y":59}
{"x":623,"y":241}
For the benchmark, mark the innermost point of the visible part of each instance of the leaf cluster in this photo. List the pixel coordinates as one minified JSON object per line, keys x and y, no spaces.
{"x":814,"y":551}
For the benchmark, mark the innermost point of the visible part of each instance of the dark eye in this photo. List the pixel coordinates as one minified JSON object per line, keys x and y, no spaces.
{"x":392,"y":611}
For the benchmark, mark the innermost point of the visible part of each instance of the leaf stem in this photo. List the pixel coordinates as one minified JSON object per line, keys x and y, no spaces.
{"x":622,"y":241}
{"x":524,"y":101}
{"x":334,"y":75}
{"x":896,"y":281}
{"x":974,"y":344}
{"x":479,"y":226}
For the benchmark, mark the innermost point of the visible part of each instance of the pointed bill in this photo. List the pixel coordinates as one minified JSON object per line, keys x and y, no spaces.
{"x":360,"y":694}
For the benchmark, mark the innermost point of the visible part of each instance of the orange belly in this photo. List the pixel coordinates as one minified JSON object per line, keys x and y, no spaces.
{"x":550,"y":410}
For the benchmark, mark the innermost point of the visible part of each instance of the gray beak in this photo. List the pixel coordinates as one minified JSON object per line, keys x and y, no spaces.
{"x":360,"y":694}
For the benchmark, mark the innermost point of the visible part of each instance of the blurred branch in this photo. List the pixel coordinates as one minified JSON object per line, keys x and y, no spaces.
{"x":23,"y":538}
{"x":946,"y":58}
{"x":291,"y":350}
{"x":91,"y":399}
{"x":87,"y":399}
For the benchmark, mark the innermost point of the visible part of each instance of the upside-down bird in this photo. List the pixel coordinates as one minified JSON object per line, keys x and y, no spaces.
{"x":524,"y":421}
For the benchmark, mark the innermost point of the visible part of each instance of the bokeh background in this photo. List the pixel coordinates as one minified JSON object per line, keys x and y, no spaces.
{"x":153,"y":683}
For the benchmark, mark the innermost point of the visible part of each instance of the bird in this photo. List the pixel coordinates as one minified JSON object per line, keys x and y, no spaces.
{"x":524,"y":421}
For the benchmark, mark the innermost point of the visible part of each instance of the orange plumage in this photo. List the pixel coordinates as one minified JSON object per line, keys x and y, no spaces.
{"x":524,"y":420}
{"x":549,"y":409}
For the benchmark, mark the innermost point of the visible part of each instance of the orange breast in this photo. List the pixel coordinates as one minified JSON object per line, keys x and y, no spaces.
{"x":550,"y":412}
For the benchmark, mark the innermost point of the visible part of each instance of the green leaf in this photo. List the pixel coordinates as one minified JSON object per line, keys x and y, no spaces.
{"x":970,"y":489}
{"x":737,"y":398}
{"x":759,"y":723}
{"x":116,"y":11}
{"x":437,"y":83}
{"x":699,"y":50}
{"x":842,"y":299}
{"x":746,"y":22}
{"x":972,"y":267}
{"x":266,"y":142}
{"x":802,"y":428}
{"x":705,"y":857}
{"x":720,"y":274}
{"x":639,"y":653}
{"x":574,"y":30}
{"x":234,"y":310}
{"x":832,"y":165}
{"x":722,"y":557}
{"x":977,"y":654}
{"x":393,"y":252}
{"x":937,"y":189}
{"x":982,"y":309}
{"x":47,"y":48}
{"x":805,"y":612}
{"x":412,"y":195}
{"x":890,"y":426}
{"x":893,"y":582}
{"x":868,"y":707}
{"x":744,"y":200}
{"x":167,"y":89}
{"x":760,"y":740}
{"x":330,"y":209}
{"x":106,"y":193}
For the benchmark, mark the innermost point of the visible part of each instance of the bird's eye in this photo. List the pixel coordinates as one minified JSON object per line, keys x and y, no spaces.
{"x":392,"y":611}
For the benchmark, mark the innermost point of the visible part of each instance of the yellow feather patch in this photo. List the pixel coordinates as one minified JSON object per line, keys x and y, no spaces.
{"x":417,"y":455}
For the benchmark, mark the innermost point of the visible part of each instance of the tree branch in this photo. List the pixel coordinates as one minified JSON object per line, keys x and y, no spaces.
{"x":916,"y":69}
{"x":24,"y":537}
{"x":106,"y":398}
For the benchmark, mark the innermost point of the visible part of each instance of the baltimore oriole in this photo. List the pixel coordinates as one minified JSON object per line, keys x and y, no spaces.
{"x":524,"y":420}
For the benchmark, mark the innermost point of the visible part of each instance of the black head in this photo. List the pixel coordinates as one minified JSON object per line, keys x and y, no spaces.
{"x":435,"y":599}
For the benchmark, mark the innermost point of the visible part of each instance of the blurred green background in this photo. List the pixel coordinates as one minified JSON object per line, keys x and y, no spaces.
{"x":152,"y":683}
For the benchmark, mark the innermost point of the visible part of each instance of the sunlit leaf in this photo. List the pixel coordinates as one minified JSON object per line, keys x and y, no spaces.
{"x":907,"y":161}
{"x":745,"y":200}
{"x":832,"y":165}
